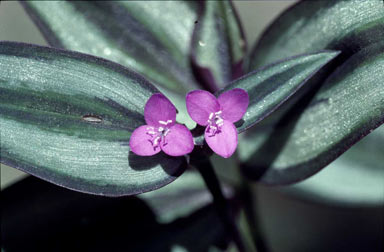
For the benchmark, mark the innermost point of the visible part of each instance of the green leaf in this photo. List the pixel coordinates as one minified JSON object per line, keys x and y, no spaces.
{"x":67,"y":118}
{"x":218,"y":45}
{"x":347,"y":26}
{"x":348,"y":106}
{"x":152,"y":38}
{"x":271,"y":86}
{"x":356,"y":178}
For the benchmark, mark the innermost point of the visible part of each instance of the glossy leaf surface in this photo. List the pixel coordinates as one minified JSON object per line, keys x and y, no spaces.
{"x":152,"y":38}
{"x":218,"y":45}
{"x":54,"y":218}
{"x":356,"y":178}
{"x":271,"y":86}
{"x":347,"y":107}
{"x":310,"y":26}
{"x":67,"y":118}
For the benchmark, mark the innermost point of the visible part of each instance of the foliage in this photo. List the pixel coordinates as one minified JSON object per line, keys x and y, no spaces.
{"x":314,"y":82}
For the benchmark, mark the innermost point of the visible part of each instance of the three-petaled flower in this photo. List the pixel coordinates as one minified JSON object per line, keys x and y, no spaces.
{"x":161,"y":132}
{"x":218,"y":114}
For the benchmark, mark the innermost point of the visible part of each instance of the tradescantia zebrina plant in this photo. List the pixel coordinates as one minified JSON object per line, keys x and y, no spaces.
{"x":314,"y":82}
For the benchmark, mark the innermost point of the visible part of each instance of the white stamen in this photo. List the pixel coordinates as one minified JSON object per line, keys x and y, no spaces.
{"x":158,"y":134}
{"x":215,"y":122}
{"x":151,"y":131}
{"x":165,"y":123}
{"x":156,"y":141}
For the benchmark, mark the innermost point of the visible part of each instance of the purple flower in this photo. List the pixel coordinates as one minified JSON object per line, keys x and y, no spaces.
{"x":161,"y":131}
{"x":218,"y":114}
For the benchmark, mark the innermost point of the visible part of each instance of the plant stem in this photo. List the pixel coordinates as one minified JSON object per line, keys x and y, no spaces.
{"x":204,"y":166}
{"x":252,"y":217}
{"x":249,"y":201}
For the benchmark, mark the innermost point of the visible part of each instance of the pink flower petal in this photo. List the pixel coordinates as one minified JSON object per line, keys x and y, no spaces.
{"x":223,"y":143}
{"x":140,"y":143}
{"x":159,"y":108}
{"x":234,"y":104}
{"x":200,"y":104}
{"x":178,"y":141}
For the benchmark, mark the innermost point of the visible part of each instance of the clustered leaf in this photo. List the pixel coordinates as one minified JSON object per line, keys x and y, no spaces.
{"x":348,"y":106}
{"x":68,"y":117}
{"x":135,"y":34}
{"x":315,"y":127}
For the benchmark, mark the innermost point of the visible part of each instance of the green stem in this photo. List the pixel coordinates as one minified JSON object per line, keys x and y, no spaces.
{"x":204,"y":166}
{"x":249,"y":198}
{"x":252,"y":217}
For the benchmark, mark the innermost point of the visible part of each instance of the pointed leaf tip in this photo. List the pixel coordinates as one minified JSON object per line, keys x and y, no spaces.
{"x":348,"y":106}
{"x":270,"y":86}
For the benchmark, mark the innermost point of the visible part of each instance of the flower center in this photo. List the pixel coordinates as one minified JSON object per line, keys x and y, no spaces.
{"x":215,"y":122}
{"x":158,"y":134}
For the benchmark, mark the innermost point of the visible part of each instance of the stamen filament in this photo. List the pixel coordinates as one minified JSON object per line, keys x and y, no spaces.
{"x":214,"y":123}
{"x":158,"y":134}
